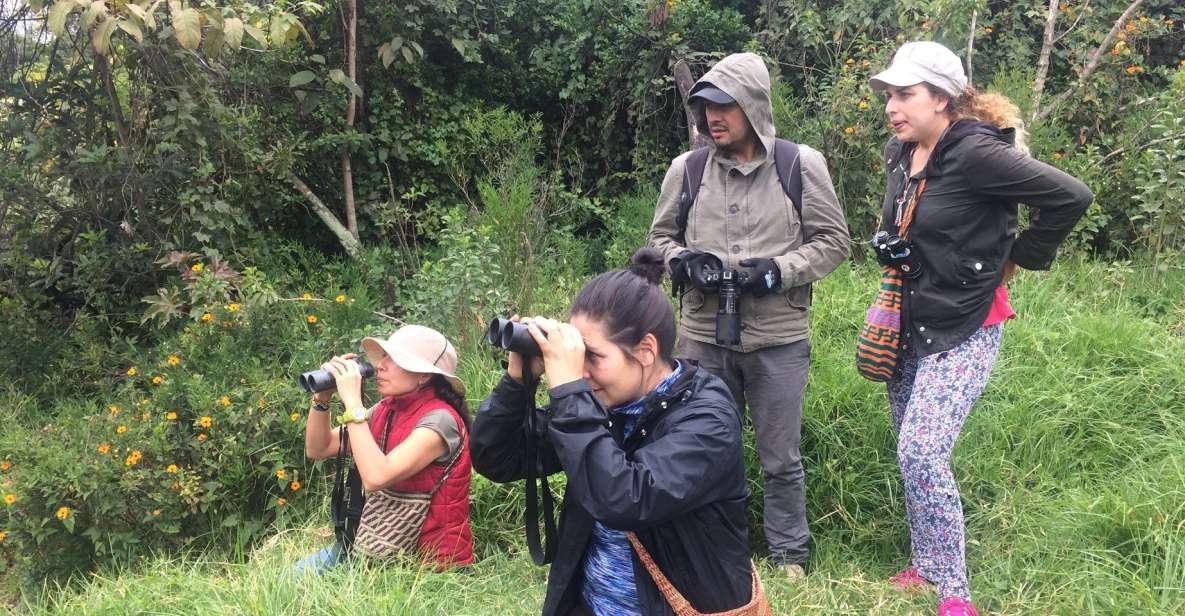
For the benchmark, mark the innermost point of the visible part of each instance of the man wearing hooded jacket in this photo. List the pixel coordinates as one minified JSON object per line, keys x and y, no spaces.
{"x":743,"y":219}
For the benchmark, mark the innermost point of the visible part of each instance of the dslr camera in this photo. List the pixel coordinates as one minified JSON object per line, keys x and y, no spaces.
{"x":893,"y":251}
{"x":727,"y":284}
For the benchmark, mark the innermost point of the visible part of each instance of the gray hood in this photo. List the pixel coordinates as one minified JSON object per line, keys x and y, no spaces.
{"x":744,"y":77}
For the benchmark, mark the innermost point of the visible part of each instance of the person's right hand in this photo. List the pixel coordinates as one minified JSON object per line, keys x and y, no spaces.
{"x":697,"y":264}
{"x":514,"y":364}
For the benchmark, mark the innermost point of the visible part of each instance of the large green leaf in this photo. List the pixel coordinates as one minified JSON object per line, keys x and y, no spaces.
{"x":132,"y":29}
{"x":188,"y":25}
{"x":301,"y":78}
{"x":232,"y":29}
{"x":93,"y":12}
{"x":58,"y":14}
{"x":339,"y":76}
{"x":256,"y":34}
{"x":101,"y":39}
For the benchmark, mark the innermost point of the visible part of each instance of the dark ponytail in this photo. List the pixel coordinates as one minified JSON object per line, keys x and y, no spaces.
{"x":444,"y":391}
{"x":630,"y":303}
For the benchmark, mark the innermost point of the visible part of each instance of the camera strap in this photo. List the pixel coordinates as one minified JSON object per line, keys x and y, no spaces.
{"x":905,"y":216}
{"x":543,"y":552}
{"x":345,"y":508}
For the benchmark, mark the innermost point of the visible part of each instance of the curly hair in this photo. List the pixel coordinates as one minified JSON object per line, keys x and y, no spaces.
{"x":991,"y":107}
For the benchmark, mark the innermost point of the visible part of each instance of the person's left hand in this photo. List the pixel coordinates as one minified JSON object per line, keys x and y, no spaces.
{"x":1009,"y":271}
{"x":765,"y":277}
{"x":348,"y":376}
{"x":562,"y":347}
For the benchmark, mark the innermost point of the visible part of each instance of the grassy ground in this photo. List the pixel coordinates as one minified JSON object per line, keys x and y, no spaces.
{"x":1072,"y":470}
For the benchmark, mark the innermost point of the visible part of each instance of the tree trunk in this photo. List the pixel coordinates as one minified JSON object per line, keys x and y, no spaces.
{"x":347,"y":240}
{"x":684,"y":81}
{"x":351,"y":108}
{"x":1043,"y":59}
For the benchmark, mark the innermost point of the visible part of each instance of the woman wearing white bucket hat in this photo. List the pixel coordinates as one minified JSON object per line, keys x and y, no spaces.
{"x":425,"y":419}
{"x":955,"y":171}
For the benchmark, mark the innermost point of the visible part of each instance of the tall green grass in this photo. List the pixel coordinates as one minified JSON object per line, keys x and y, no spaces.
{"x":1072,"y":470}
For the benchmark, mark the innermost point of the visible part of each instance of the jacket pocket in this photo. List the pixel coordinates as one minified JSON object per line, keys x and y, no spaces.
{"x":799,"y":297}
{"x":693,"y":300}
{"x":966,"y":271}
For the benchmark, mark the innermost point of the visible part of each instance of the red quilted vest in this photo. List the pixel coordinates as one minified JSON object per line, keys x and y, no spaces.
{"x":445,"y":537}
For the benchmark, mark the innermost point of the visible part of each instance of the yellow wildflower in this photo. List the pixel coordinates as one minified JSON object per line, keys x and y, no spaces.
{"x":132,"y":371}
{"x":5,"y":465}
{"x":121,"y":429}
{"x":207,"y":317}
{"x":340,"y":299}
{"x":197,"y":267}
{"x":862,"y":105}
{"x":294,"y":486}
{"x":306,"y":295}
{"x":146,"y":416}
{"x":155,"y":513}
{"x":174,"y":360}
{"x":114,"y":409}
{"x":104,"y":448}
{"x":233,"y":307}
{"x":133,"y":458}
{"x":261,"y":403}
{"x":295,"y":417}
{"x":1057,"y":156}
{"x":9,"y":498}
{"x":172,"y":468}
{"x":202,"y":437}
{"x":206,"y":421}
{"x":281,"y":501}
{"x":224,"y":401}
{"x":63,"y":513}
{"x":312,"y":318}
{"x":849,"y":130}
{"x":987,"y":30}
{"x":157,"y":380}
{"x":3,"y":536}
{"x":171,"y":416}
{"x":281,"y":473}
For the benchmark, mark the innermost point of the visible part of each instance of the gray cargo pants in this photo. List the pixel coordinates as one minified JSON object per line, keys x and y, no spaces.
{"x":772,"y":381}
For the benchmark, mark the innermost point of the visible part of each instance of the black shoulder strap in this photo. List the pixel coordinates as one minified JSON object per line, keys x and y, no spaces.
{"x":789,"y":167}
{"x":347,"y":500}
{"x":693,"y":175}
{"x":786,"y":161}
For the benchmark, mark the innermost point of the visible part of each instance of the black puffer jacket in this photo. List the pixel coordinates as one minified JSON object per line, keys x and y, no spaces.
{"x":678,"y":482}
{"x":965,"y":227}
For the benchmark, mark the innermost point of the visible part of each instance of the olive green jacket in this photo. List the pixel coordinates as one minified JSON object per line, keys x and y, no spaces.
{"x":742,"y":212}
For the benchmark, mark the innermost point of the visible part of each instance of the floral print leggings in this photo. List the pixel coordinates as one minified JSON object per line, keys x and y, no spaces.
{"x":930,"y":399}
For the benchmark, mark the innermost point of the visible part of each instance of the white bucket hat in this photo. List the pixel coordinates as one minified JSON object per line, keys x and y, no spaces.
{"x":926,"y":61}
{"x":416,"y":348}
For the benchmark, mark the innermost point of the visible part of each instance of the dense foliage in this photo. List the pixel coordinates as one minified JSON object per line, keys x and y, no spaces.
{"x":187,"y":189}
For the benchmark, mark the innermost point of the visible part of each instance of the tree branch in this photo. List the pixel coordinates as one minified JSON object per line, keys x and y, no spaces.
{"x":351,"y":109}
{"x":684,"y":81}
{"x":971,"y":44}
{"x":1091,"y":65}
{"x":1043,"y":58}
{"x":348,"y":241}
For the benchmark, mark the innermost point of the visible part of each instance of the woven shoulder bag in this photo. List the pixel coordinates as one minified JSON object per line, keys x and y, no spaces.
{"x":758,"y":605}
{"x":878,"y":347}
{"x":392,"y":521}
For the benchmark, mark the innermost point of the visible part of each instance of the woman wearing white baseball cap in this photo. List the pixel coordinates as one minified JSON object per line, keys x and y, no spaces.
{"x":412,"y":441}
{"x":955,"y":171}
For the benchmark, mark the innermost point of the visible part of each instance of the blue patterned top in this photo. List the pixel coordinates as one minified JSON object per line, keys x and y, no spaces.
{"x":609,"y":588}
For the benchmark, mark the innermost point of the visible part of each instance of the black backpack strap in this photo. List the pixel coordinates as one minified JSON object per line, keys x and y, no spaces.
{"x":345,"y":507}
{"x":693,"y":175}
{"x":786,"y":159}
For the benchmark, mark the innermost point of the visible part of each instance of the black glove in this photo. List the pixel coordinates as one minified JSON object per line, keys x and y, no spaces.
{"x":689,"y":268}
{"x":765,"y":277}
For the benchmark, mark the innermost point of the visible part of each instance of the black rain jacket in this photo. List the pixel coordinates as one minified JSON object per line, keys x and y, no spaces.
{"x":965,"y":227}
{"x":678,"y":482}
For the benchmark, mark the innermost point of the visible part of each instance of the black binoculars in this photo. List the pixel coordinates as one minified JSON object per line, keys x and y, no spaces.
{"x":514,"y":337}
{"x":314,"y":381}
{"x":893,"y":251}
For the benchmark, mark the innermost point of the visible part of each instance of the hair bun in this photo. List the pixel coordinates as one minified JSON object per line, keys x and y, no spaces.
{"x":649,"y":264}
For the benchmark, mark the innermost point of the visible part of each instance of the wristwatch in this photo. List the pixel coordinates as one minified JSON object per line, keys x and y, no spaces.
{"x":358,"y":414}
{"x":320,"y":406}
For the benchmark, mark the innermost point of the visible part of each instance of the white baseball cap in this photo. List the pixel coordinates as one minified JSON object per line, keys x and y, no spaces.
{"x":926,"y":61}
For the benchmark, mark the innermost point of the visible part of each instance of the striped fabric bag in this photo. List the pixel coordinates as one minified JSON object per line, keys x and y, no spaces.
{"x":879,"y":342}
{"x":878,"y":346}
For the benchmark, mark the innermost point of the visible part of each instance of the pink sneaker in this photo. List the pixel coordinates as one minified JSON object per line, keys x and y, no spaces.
{"x":911,"y":581}
{"x":956,"y":606}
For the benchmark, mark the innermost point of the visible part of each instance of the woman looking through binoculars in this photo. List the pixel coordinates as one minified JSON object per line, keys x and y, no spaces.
{"x":649,"y":445}
{"x":423,"y":421}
